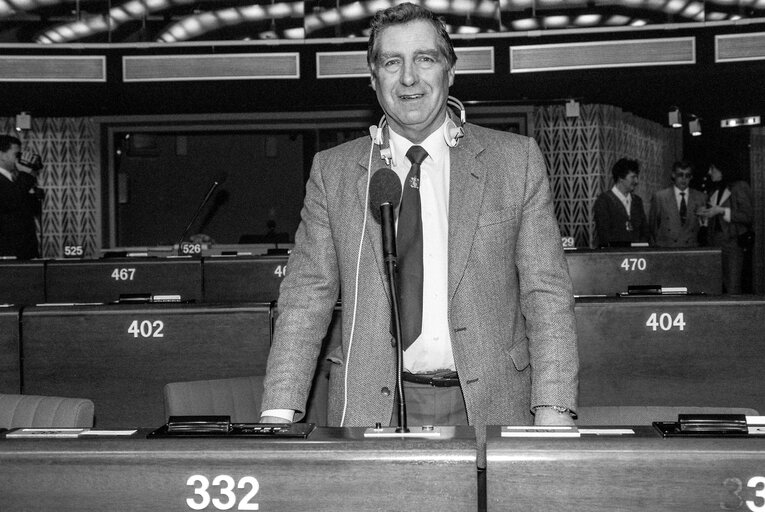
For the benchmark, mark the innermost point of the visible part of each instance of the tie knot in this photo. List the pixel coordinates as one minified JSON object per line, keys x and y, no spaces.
{"x":416,"y":154}
{"x":682,"y":194}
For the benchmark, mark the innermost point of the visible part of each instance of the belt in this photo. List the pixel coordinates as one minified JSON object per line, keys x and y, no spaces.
{"x":439,"y":380}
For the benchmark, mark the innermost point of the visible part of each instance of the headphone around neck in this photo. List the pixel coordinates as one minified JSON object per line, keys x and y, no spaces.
{"x":453,"y":132}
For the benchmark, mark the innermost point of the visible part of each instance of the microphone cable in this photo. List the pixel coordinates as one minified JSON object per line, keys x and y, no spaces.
{"x":356,"y":286}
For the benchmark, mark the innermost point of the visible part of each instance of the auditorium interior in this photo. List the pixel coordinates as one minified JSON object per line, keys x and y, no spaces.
{"x":177,"y":137}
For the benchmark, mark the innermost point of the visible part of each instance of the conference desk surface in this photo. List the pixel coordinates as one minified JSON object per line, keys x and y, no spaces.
{"x":642,"y":472}
{"x":672,"y":350}
{"x":612,"y":271}
{"x":334,"y":469}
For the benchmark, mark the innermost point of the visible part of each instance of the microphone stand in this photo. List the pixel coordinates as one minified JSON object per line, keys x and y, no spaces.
{"x":199,"y":210}
{"x":391,"y":259}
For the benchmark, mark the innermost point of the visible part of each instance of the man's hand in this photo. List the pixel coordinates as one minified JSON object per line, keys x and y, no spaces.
{"x":273,"y":419}
{"x":545,"y":417}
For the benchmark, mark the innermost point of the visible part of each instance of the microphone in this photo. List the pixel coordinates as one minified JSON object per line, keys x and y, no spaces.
{"x":216,"y":183}
{"x":384,"y":197}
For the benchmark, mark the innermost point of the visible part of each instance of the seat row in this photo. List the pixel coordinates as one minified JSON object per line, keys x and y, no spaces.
{"x":232,"y":278}
{"x":686,"y":350}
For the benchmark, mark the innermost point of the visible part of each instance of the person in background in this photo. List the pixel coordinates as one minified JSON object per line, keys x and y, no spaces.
{"x":673,"y":218}
{"x":730,"y":214}
{"x":497,"y":343}
{"x":20,"y":200}
{"x":619,"y":214}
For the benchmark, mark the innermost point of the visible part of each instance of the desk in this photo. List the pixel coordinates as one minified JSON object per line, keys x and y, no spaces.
{"x":121,"y":356}
{"x":625,"y":473}
{"x":105,"y":280}
{"x":10,"y":364}
{"x":243,"y":278}
{"x":610,"y":271}
{"x":334,"y":470}
{"x":672,"y":351}
{"x":22,"y":282}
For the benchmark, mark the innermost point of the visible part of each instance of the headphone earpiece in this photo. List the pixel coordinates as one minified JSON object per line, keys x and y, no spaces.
{"x":453,"y":132}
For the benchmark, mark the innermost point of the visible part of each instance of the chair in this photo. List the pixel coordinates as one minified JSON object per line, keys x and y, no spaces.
{"x":237,"y":397}
{"x":33,"y":411}
{"x":646,"y":414}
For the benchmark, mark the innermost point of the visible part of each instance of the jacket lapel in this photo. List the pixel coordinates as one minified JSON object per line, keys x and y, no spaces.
{"x":466,"y":185}
{"x":373,"y":230}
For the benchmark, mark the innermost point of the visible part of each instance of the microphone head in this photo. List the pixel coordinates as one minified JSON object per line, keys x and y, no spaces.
{"x":385,"y":187}
{"x":221,"y":178}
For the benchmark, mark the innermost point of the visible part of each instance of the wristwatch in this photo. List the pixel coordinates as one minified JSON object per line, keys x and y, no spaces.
{"x":557,"y":408}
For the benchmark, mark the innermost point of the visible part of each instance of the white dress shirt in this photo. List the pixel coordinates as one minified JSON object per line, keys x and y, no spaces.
{"x":432,"y":350}
{"x":626,"y":200}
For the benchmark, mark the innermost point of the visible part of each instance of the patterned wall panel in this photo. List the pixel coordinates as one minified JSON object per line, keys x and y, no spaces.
{"x":580,"y":151}
{"x":70,"y":179}
{"x":757,"y":173}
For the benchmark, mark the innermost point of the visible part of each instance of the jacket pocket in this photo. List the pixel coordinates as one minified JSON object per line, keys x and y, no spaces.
{"x":520,"y":355}
{"x":496,"y":217}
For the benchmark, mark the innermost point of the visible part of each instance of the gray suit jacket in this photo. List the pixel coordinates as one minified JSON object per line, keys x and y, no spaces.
{"x":510,"y":295}
{"x":664,"y":219}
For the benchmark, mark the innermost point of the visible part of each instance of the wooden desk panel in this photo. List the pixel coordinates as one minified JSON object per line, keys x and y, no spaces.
{"x":121,"y":356}
{"x":106,"y":279}
{"x":611,"y":271}
{"x":10,"y":362}
{"x":604,"y":474}
{"x":242,"y":278}
{"x":22,"y":282}
{"x":334,"y":470}
{"x":672,"y":351}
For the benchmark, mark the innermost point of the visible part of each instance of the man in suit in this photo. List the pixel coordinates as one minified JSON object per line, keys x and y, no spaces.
{"x":619,"y":215}
{"x":673,"y":218}
{"x":497,"y":343}
{"x":730,"y":212}
{"x":20,"y":203}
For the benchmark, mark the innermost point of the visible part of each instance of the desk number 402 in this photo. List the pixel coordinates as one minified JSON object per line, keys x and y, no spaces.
{"x":665,"y":322}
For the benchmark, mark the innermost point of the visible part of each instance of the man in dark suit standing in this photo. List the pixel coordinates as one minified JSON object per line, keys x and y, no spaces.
{"x":619,"y":215}
{"x":673,"y":219}
{"x":20,"y":203}
{"x":497,"y":341}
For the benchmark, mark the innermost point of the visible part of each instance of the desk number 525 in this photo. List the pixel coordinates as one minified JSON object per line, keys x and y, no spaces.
{"x":228,"y":497}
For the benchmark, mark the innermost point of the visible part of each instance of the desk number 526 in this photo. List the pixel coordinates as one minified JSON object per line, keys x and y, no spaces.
{"x":228,"y":497}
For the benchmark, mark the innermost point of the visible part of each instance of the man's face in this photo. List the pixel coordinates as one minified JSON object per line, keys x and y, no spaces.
{"x":714,"y":173}
{"x":681,"y":178}
{"x":9,"y":158}
{"x":628,"y":183}
{"x":411,"y":79}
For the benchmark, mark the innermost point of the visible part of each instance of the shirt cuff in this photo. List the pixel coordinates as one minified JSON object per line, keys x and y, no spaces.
{"x":726,"y":214}
{"x":286,"y":414}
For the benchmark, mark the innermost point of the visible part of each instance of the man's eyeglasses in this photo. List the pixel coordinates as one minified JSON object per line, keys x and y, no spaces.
{"x":683,"y":174}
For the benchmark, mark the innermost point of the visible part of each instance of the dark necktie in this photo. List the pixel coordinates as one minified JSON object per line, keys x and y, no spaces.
{"x":683,"y":208}
{"x":409,"y":247}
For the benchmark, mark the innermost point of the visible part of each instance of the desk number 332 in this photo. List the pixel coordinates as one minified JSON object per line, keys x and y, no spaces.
{"x":227,"y":496}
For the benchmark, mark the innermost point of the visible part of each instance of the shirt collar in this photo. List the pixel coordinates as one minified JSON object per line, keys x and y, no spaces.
{"x":6,"y":173}
{"x":678,"y":191}
{"x":619,"y":194}
{"x":434,"y":144}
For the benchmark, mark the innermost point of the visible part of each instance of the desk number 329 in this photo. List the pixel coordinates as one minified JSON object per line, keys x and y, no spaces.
{"x":227,"y":495}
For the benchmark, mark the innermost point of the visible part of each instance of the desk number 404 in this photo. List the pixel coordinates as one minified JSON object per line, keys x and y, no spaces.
{"x":226,"y":495}
{"x":665,"y":322}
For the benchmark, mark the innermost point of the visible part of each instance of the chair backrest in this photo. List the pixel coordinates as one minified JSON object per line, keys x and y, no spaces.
{"x":646,"y":414}
{"x":237,"y":397}
{"x":35,"y":411}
